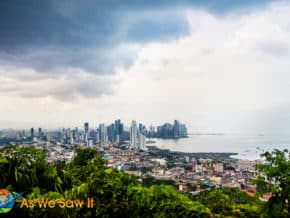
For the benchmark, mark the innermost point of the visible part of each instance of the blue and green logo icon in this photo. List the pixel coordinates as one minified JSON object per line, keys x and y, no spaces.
{"x":6,"y":201}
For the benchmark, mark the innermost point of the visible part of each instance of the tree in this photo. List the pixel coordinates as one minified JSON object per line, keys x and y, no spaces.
{"x":164,"y":201}
{"x":20,"y":166}
{"x":274,"y":178}
{"x":229,"y":202}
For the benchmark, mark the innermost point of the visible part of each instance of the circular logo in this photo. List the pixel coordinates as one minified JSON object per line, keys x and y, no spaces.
{"x":6,"y":201}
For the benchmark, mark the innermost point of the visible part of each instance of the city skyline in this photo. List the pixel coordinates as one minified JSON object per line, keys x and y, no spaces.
{"x":214,"y":65}
{"x":93,"y":125}
{"x":112,"y":134}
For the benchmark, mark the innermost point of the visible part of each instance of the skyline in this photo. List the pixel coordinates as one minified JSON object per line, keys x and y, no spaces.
{"x":212,"y":65}
{"x":87,"y":125}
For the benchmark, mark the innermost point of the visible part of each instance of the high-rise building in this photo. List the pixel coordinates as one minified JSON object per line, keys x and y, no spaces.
{"x":134,"y":134}
{"x":121,"y":128}
{"x":125,"y":136}
{"x":151,"y":132}
{"x":118,"y":127}
{"x":183,"y":130}
{"x":142,"y":129}
{"x":176,"y":131}
{"x":111,"y":132}
{"x":77,"y":135}
{"x":71,"y":137}
{"x":86,"y":128}
{"x":167,"y":130}
{"x":103,"y":133}
{"x":118,"y":131}
{"x":93,"y":135}
{"x":39,"y":133}
{"x":74,"y":138}
{"x":141,"y":141}
{"x":90,"y":142}
{"x":97,"y":139}
{"x":32,"y":133}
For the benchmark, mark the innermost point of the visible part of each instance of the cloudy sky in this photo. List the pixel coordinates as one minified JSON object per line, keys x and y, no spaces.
{"x":218,"y":65}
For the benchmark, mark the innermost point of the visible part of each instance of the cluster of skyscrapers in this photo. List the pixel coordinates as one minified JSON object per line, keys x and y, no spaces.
{"x":39,"y":135}
{"x":168,"y":131}
{"x":113,"y":133}
{"x":135,"y":135}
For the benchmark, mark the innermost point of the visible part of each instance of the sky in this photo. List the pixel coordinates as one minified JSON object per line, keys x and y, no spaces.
{"x":214,"y":65}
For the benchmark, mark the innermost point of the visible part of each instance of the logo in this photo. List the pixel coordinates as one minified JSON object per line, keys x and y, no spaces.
{"x":6,"y":201}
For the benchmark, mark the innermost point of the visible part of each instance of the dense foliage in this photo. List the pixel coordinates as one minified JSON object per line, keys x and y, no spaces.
{"x":230,"y":202}
{"x":274,"y":178}
{"x":115,"y":194}
{"x":24,"y":169}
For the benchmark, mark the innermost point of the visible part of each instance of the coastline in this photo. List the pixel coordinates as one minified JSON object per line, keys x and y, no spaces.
{"x":225,"y":155}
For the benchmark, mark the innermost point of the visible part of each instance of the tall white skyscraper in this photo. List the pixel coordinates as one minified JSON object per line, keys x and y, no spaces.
{"x":141,"y":141}
{"x":103,"y":133}
{"x":134,"y":134}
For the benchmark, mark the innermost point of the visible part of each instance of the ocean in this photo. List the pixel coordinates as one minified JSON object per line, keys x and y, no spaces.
{"x":247,"y":147}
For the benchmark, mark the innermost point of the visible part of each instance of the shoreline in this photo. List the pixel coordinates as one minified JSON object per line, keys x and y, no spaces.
{"x":156,"y":149}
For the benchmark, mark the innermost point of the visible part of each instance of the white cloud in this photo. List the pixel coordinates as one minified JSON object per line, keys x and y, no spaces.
{"x":65,"y":86}
{"x":223,"y":74}
{"x":231,"y":72}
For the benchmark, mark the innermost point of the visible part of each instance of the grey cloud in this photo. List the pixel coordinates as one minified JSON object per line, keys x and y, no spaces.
{"x":50,"y":59}
{"x":66,"y":87}
{"x":73,"y":28}
{"x":52,"y":34}
{"x":55,"y":38}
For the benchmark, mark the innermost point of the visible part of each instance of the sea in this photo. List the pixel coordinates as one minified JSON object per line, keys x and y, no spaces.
{"x":248,"y":147}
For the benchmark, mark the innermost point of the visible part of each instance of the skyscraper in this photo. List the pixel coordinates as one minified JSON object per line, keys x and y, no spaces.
{"x":117,"y":126}
{"x":111,"y":132}
{"x":134,"y":134}
{"x":77,"y":136}
{"x":183,"y":130}
{"x":118,"y":130}
{"x":103,"y":133}
{"x":32,"y":133}
{"x":176,"y":130}
{"x":141,"y":141}
{"x":86,"y":128}
{"x":71,"y":137}
{"x":98,"y":135}
{"x":39,"y":133}
{"x":142,"y":129}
